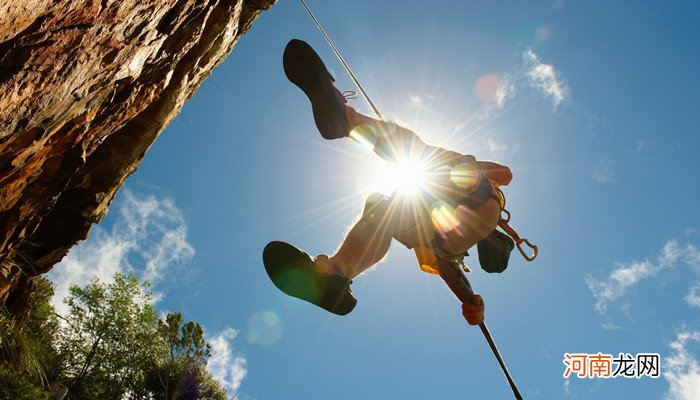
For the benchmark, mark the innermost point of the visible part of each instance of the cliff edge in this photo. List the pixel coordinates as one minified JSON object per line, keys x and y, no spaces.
{"x":85,"y":88}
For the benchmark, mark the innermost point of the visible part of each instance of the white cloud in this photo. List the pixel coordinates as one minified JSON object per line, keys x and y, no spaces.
{"x":506,"y":91}
{"x":148,"y":237}
{"x":567,"y":387}
{"x":543,"y":77}
{"x":496,"y":146}
{"x":643,"y":145}
{"x":494,"y":94}
{"x":616,"y":285}
{"x":625,"y":276}
{"x":693,"y":297}
{"x":228,"y":369}
{"x":494,"y":89}
{"x":604,"y":171}
{"x":671,"y":253}
{"x":681,"y":369}
{"x":611,"y":327}
{"x":416,"y":102}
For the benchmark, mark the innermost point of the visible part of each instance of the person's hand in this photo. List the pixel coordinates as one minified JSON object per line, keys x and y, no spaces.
{"x":473,"y":311}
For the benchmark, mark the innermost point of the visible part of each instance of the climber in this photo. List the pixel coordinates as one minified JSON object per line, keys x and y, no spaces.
{"x":458,"y":207}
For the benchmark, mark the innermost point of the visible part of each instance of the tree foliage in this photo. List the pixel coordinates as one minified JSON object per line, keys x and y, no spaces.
{"x":17,"y":386}
{"x":110,"y":335}
{"x":27,"y":346}
{"x":111,"y":344}
{"x":178,"y":374}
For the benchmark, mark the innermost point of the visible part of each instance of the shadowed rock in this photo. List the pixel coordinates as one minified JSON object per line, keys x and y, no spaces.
{"x":85,"y":88}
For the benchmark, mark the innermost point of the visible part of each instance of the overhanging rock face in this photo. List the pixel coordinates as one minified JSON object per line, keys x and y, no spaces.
{"x":86,"y":86}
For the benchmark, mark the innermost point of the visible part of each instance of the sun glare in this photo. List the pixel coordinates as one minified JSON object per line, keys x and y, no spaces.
{"x":405,"y":176}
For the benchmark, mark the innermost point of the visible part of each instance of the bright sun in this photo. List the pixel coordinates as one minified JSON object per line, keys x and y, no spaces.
{"x":406,"y":176}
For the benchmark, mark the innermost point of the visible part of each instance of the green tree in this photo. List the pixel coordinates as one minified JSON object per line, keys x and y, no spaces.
{"x":113,"y":346}
{"x":15,"y":385}
{"x":26,"y":346}
{"x":109,"y":337}
{"x":181,"y":373}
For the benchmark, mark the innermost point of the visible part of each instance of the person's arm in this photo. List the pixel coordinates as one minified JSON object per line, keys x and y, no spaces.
{"x":496,"y":172}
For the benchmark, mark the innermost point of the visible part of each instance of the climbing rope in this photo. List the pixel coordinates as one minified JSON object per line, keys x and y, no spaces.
{"x":342,"y":60}
{"x":459,"y":284}
{"x":448,"y":268}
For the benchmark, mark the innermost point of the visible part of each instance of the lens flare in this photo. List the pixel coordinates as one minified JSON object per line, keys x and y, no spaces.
{"x":295,"y":281}
{"x":444,"y":217}
{"x":487,"y":88}
{"x":465,"y":175}
{"x":365,"y":136}
{"x":265,"y":328}
{"x":543,"y":33}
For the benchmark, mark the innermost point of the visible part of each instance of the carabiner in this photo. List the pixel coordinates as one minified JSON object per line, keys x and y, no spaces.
{"x":530,"y":245}
{"x":506,"y":220}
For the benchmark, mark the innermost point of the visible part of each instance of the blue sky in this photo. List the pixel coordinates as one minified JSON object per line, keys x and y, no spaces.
{"x":592,"y":104}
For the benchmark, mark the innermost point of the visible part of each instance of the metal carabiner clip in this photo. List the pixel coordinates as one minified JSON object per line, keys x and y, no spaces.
{"x":507,"y":219}
{"x":530,"y":245}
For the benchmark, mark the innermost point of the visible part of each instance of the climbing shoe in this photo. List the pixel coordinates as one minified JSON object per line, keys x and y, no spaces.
{"x":296,"y":274}
{"x":305,"y":69}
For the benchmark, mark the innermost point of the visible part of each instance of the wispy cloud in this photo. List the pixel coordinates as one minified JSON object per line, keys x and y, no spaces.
{"x":496,"y":146}
{"x":604,"y":171}
{"x":625,"y":276}
{"x":693,"y":296}
{"x":567,"y":387}
{"x":493,"y":90}
{"x":223,"y":365}
{"x":619,"y":281}
{"x":496,"y":90}
{"x":148,"y":237}
{"x":643,"y":145}
{"x":610,"y":327}
{"x":417,"y":102}
{"x":681,"y":369}
{"x":544,"y":78}
{"x":505,"y":91}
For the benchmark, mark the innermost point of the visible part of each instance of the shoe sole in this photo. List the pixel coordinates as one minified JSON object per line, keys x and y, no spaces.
{"x":294,"y":272}
{"x":306,"y":70}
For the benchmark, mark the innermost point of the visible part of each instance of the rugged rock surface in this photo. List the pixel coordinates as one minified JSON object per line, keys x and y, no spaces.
{"x":86,"y":86}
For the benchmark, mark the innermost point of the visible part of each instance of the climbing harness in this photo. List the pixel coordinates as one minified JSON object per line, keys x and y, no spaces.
{"x":447,"y":267}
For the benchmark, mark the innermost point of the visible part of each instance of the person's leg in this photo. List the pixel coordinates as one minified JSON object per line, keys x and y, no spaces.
{"x":388,"y":140}
{"x":368,"y":240}
{"x":334,"y":119}
{"x":306,"y":70}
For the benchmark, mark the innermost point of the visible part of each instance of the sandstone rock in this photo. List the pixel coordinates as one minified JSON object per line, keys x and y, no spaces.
{"x":86,"y":86}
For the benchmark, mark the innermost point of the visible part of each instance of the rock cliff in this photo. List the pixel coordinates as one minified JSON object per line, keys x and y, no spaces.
{"x":86,"y":86}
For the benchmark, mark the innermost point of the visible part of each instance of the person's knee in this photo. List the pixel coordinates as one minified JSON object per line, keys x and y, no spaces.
{"x":376,"y":206}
